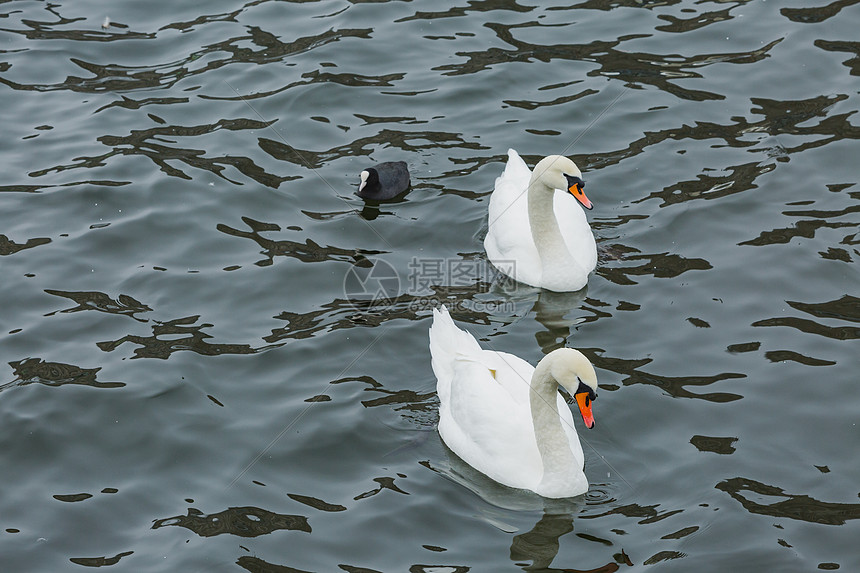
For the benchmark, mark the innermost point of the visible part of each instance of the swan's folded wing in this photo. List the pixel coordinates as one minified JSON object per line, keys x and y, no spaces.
{"x":512,"y":373}
{"x":488,"y":428}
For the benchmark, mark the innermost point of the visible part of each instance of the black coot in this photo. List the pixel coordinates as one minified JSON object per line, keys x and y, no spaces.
{"x":384,"y":181}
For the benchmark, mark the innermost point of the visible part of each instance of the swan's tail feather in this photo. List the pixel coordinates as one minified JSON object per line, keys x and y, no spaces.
{"x":446,"y":339}
{"x":447,"y":344}
{"x":516,"y":172}
{"x":503,"y":213}
{"x":516,"y":168}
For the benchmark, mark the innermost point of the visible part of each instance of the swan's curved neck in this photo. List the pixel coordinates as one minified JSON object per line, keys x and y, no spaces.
{"x":544,"y":226}
{"x":552,"y":441}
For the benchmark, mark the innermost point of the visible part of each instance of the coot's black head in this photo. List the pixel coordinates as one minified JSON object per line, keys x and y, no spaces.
{"x":369,"y":185}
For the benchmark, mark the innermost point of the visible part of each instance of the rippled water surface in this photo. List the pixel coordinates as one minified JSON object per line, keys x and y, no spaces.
{"x":195,"y":376}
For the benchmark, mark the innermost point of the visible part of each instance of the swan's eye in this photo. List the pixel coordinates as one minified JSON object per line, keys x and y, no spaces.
{"x":587,"y":390}
{"x":571,"y":181}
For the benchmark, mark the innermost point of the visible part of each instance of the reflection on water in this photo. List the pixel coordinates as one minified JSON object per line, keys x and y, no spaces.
{"x":659,"y":265}
{"x":307,"y":252}
{"x":817,"y":220}
{"x":793,"y":506}
{"x":123,"y":304}
{"x":553,"y":311}
{"x":846,"y":47}
{"x":178,"y":335}
{"x":100,"y":561}
{"x":723,"y":446}
{"x":540,"y":545}
{"x":663,"y":556}
{"x":240,"y":521}
{"x":257,"y":565}
{"x":73,"y":497}
{"x":316,"y":503}
{"x":153,"y":144}
{"x":847,"y":308}
{"x":385,"y":483}
{"x":38,"y":371}
{"x":816,"y":14}
{"x":844,"y":308}
{"x":405,"y":141}
{"x":633,"y":67}
{"x":10,"y":247}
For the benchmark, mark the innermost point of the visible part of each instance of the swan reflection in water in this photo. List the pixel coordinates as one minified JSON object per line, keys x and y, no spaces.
{"x":555,"y":311}
{"x":536,"y":549}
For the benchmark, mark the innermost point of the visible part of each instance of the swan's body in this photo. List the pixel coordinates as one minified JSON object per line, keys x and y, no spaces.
{"x":537,"y":234}
{"x":506,"y":418}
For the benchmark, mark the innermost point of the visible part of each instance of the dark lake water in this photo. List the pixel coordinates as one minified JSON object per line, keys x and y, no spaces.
{"x":214,"y":355}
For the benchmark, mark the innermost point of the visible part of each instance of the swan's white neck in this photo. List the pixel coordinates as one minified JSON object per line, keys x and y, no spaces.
{"x":552,"y":442}
{"x":553,"y":252}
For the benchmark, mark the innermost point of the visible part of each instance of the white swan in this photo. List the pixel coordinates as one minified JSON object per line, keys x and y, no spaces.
{"x":537,"y":234}
{"x":506,"y":418}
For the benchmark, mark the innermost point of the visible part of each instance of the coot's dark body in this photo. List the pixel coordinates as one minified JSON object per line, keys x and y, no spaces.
{"x":384,"y":181}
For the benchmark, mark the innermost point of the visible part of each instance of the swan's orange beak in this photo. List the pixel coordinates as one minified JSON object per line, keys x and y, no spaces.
{"x":584,"y":403}
{"x":577,"y":191}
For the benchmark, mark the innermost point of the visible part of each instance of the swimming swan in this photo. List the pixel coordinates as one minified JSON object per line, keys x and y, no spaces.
{"x":506,"y":418}
{"x":537,"y":234}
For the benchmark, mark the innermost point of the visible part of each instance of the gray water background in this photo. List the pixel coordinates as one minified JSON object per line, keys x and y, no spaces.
{"x":196,"y":375}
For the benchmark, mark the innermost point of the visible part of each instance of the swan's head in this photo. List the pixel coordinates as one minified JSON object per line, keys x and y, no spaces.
{"x":559,"y":172}
{"x":571,"y":369}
